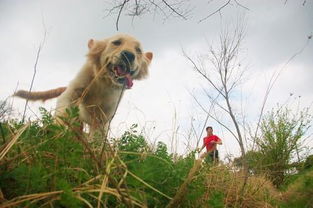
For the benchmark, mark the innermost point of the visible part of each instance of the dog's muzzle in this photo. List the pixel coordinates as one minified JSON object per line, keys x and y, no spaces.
{"x":123,"y":70}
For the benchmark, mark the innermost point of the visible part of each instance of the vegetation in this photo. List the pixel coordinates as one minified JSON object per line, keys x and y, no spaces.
{"x":299,"y":193}
{"x":279,"y":146}
{"x":44,"y":164}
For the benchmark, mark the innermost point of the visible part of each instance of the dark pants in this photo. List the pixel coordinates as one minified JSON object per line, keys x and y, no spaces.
{"x":212,"y":157}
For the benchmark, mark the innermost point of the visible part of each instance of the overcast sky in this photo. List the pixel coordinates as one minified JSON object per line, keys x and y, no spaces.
{"x":275,"y":32}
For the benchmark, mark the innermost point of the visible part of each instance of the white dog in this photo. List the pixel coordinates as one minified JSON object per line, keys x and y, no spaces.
{"x":112,"y":65}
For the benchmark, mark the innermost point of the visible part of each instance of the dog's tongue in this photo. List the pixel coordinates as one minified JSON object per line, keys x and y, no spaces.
{"x":128,"y":81}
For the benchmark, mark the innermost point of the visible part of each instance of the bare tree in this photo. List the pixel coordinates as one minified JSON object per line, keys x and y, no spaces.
{"x":165,"y":8}
{"x":136,"y":8}
{"x":223,"y":75}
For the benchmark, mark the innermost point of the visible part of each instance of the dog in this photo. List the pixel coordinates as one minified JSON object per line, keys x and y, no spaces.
{"x":112,"y":65}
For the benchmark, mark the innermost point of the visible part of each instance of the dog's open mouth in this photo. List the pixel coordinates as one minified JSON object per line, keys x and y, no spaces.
{"x":122,"y":75}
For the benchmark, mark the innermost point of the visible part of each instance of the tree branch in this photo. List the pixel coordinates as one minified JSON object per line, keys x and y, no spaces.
{"x":119,"y":13}
{"x":220,"y":9}
{"x":174,"y":10}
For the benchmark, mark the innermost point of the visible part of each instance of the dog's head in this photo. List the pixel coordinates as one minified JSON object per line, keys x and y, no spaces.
{"x":119,"y":58}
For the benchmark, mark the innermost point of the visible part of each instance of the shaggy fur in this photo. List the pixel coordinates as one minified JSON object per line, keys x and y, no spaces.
{"x":112,"y":65}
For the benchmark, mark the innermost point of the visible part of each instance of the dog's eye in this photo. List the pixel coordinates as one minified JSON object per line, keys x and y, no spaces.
{"x":138,"y":50}
{"x":117,"y":42}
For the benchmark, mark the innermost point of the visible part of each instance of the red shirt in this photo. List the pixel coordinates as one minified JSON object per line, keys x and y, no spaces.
{"x":208,"y":142}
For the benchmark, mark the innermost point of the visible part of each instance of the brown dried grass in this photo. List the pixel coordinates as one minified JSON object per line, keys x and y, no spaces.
{"x":259,"y":192}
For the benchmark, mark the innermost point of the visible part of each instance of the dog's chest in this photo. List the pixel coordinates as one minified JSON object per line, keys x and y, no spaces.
{"x":102,"y":97}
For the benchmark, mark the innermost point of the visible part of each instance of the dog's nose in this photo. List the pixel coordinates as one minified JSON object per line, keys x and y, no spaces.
{"x":127,"y":56}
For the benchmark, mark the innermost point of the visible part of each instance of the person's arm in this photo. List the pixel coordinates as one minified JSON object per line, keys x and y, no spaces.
{"x":219,"y":141}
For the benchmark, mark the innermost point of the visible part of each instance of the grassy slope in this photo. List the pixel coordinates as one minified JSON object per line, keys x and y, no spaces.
{"x":50,"y":165}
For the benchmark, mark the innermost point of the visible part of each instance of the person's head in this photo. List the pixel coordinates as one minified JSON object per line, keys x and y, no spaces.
{"x":209,"y":130}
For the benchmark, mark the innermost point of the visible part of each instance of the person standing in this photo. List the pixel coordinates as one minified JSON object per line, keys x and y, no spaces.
{"x":210,"y":142}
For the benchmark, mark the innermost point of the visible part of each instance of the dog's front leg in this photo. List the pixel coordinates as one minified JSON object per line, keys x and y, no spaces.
{"x":99,"y":124}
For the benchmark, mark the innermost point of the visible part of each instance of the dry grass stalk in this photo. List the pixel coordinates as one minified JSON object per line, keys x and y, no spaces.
{"x":105,"y":180}
{"x":178,"y":198}
{"x":10,"y":144}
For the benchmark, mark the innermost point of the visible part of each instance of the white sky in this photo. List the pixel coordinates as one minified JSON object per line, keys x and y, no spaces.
{"x":162,"y":104}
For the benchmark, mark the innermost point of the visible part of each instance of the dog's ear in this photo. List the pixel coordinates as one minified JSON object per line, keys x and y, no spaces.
{"x":96,"y":47}
{"x":91,"y":43}
{"x":149,"y":56}
{"x":144,"y":65}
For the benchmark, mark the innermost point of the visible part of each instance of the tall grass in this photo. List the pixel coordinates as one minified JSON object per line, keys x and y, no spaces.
{"x":44,"y":164}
